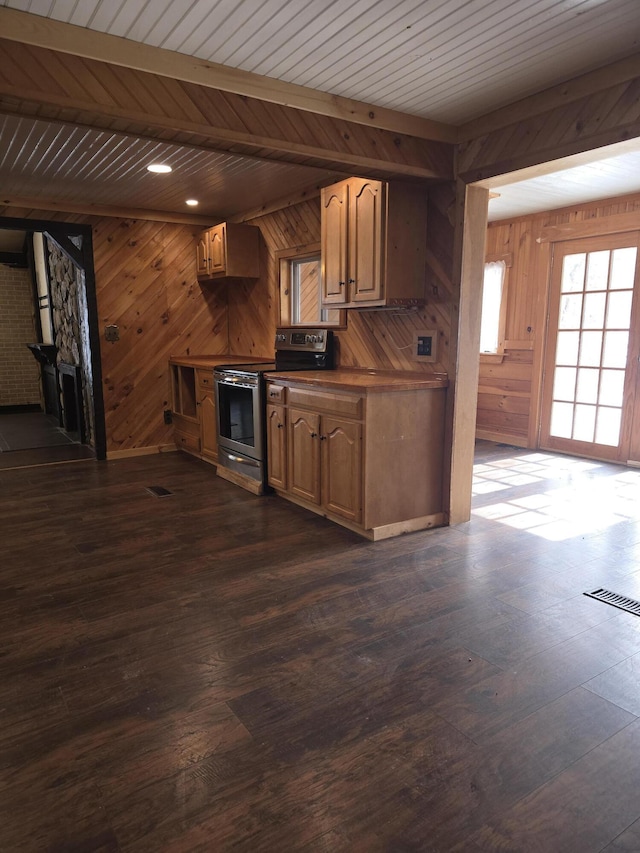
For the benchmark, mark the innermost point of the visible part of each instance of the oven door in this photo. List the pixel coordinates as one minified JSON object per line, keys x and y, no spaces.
{"x":239,"y":414}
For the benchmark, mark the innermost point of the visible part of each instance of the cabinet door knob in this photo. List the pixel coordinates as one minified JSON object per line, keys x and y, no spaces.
{"x":323,"y":438}
{"x":314,"y":435}
{"x":341,"y":283}
{"x":352,"y":281}
{"x":280,"y":426}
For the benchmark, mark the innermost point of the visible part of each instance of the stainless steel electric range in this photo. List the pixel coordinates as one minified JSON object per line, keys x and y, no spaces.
{"x":241,"y":400}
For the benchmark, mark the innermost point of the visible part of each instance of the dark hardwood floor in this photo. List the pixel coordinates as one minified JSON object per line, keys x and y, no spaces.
{"x":215,"y":671}
{"x":35,"y":438}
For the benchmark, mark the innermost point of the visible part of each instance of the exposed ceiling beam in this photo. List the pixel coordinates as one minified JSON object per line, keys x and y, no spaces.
{"x":106,"y":210}
{"x":555,"y":97}
{"x":92,"y":93}
{"x":44,"y":32}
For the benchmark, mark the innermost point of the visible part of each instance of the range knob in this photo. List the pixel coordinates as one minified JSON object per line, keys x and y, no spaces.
{"x":280,"y":338}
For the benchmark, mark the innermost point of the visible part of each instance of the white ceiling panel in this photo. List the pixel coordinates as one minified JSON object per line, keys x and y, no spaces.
{"x":49,"y":160}
{"x":609,"y":177}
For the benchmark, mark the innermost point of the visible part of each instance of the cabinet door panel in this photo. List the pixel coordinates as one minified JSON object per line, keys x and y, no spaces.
{"x":366,"y":243}
{"x":208,"y":429}
{"x":303,"y":438}
{"x":217,"y":250}
{"x":342,"y":467}
{"x":334,"y":244}
{"x":202,"y":255}
{"x":276,"y":446}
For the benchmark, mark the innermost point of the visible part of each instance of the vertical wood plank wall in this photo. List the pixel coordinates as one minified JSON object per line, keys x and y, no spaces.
{"x":509,"y":392}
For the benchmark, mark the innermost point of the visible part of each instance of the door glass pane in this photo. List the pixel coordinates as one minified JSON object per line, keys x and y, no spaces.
{"x":611,"y":388}
{"x":584,"y":424}
{"x":564,"y":386}
{"x":594,"y":304}
{"x":615,"y":349}
{"x":567,"y":347}
{"x":561,"y":419}
{"x":590,"y":348}
{"x":570,"y":311}
{"x":608,"y":428}
{"x":597,"y":270}
{"x":592,"y":341}
{"x":623,"y":268}
{"x":587,"y":388}
{"x":573,"y":269}
{"x":619,"y":309}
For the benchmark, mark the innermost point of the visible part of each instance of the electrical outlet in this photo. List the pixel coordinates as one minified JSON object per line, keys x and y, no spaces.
{"x":167,"y":416}
{"x":424,"y":345}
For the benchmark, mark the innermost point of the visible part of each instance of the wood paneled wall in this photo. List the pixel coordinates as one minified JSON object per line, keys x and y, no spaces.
{"x":509,"y":392}
{"x":598,"y":109}
{"x":373,"y":339}
{"x":146,"y":286}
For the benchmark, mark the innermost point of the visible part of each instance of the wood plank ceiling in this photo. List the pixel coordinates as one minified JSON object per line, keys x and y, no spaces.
{"x":448,"y":61}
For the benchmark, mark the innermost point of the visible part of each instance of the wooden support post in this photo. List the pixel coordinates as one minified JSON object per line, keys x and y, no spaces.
{"x":470,"y":250}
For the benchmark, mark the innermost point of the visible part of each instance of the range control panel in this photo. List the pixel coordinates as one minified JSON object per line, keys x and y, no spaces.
{"x":309,"y":340}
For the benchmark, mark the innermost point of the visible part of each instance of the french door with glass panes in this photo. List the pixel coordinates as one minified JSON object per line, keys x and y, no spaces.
{"x":591,"y":362}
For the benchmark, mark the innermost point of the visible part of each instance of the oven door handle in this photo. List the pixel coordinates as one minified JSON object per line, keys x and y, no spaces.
{"x":243,"y":459}
{"x":231,"y":383}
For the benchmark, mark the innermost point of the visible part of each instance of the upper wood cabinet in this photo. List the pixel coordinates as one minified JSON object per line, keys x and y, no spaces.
{"x":374,"y":243}
{"x":229,"y":250}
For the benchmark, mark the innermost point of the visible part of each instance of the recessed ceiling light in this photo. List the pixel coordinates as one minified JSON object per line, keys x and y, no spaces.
{"x":158,"y":167}
{"x":192,"y":202}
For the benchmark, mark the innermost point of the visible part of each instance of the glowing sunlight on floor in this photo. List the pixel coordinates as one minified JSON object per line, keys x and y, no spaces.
{"x":576,"y":496}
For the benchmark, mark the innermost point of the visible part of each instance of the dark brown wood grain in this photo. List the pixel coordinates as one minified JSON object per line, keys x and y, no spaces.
{"x":219,"y":671}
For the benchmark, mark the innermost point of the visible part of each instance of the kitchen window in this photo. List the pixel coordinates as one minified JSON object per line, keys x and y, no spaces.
{"x":300,"y":291}
{"x":494,"y":307}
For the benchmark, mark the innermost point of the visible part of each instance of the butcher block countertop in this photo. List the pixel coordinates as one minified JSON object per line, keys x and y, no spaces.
{"x":367,"y":381}
{"x":212,"y":360}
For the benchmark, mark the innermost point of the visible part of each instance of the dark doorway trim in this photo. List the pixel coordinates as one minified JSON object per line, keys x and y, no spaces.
{"x":82,"y":253}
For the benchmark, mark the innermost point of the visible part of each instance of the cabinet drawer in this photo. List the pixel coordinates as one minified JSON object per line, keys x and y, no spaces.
{"x":205,"y":378}
{"x":327,"y":401}
{"x":186,"y":433}
{"x":276,"y":393}
{"x":187,"y":442}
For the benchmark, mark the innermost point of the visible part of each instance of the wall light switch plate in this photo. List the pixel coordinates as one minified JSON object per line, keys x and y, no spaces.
{"x":111,"y":333}
{"x":424,"y":345}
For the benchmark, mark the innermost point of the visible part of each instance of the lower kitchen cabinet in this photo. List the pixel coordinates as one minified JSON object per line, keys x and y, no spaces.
{"x":276,"y":446}
{"x":186,"y":433}
{"x":324,"y":462}
{"x":371,"y":461}
{"x":194,"y":410}
{"x":208,"y":425}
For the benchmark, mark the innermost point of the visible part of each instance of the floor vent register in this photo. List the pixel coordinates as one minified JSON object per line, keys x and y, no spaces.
{"x":621,"y":601}
{"x":159,"y":491}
